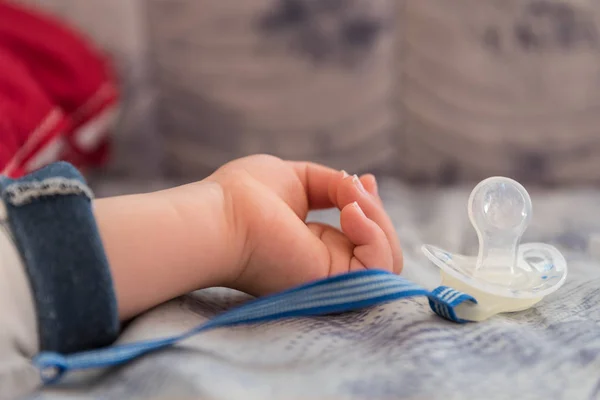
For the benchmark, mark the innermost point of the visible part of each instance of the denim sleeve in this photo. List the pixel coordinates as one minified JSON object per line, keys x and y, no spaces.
{"x":50,"y":216}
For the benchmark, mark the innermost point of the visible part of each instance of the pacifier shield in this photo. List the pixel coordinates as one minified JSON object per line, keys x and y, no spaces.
{"x":539,"y":270}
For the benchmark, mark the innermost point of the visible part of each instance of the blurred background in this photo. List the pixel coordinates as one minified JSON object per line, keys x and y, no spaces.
{"x":430,"y":95}
{"x":433,"y":92}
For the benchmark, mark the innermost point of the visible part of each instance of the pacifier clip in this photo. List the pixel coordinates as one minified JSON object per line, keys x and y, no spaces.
{"x":338,"y":294}
{"x":504,"y":277}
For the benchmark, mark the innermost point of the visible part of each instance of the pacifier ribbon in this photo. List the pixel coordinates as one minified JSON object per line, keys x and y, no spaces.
{"x":338,"y":294}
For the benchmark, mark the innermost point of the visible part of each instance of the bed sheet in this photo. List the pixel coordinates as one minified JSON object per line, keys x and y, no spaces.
{"x":398,"y":350}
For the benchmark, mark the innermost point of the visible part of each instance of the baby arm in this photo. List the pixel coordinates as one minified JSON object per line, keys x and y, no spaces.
{"x":244,"y":228}
{"x":162,"y":245}
{"x":79,"y":266}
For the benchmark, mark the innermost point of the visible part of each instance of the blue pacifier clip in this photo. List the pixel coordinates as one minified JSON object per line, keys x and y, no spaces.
{"x":348,"y":292}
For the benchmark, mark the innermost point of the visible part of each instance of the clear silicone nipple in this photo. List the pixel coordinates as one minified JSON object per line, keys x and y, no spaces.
{"x":500,"y":211}
{"x":505,"y":275}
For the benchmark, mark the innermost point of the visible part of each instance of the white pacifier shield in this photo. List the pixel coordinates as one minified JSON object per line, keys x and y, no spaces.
{"x":504,"y":276}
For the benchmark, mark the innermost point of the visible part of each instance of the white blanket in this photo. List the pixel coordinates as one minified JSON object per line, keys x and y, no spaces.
{"x":399,"y":350}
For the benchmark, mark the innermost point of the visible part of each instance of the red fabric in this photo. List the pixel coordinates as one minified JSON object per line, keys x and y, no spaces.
{"x":29,"y":119}
{"x":54,"y":82}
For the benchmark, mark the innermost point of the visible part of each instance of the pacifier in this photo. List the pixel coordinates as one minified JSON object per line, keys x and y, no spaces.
{"x":505,"y":276}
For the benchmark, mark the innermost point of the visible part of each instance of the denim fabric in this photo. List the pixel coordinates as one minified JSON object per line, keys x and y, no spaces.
{"x":50,"y":214}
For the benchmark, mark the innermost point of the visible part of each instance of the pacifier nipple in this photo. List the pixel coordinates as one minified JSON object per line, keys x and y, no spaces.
{"x":505,"y":276}
{"x":500,"y":211}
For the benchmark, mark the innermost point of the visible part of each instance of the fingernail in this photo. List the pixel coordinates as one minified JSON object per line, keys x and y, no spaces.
{"x":375,"y":187}
{"x":358,"y":184}
{"x":355,"y":205}
{"x":344,"y":174}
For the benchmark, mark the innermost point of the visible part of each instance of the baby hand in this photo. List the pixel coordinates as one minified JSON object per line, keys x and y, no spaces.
{"x":243,"y":227}
{"x":267,"y":201}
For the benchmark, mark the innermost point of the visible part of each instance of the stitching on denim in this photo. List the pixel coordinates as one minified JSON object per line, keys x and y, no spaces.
{"x":22,"y":193}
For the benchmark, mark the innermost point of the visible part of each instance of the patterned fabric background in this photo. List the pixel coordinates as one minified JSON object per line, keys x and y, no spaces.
{"x":501,"y":87}
{"x":433,"y":90}
{"x":397,"y":351}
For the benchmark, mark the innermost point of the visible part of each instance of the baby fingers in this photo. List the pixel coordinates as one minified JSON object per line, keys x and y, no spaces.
{"x":372,"y":249}
{"x":351,"y":189}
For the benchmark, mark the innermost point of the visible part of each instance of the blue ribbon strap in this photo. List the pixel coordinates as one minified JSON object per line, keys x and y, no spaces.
{"x":348,"y":292}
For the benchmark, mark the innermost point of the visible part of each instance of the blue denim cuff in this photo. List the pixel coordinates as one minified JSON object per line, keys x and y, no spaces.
{"x":50,"y":214}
